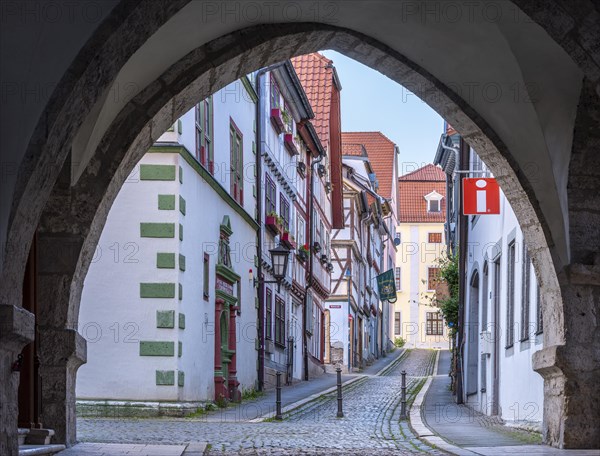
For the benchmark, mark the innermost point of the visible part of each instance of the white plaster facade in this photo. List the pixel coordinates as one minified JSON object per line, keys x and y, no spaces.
{"x":116,"y":319}
{"x":498,"y":374}
{"x":360,"y":250}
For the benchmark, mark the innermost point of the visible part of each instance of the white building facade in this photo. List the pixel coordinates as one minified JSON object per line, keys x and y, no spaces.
{"x":178,"y":326}
{"x":358,"y":250}
{"x":503,"y":325}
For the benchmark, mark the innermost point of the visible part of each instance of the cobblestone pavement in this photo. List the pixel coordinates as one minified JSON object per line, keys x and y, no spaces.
{"x":370,"y":424}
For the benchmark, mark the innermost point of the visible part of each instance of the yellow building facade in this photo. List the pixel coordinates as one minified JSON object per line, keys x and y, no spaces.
{"x":421,"y":231}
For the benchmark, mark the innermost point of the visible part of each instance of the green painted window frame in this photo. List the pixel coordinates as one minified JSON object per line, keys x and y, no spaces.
{"x":236,"y":149}
{"x":204,"y":134}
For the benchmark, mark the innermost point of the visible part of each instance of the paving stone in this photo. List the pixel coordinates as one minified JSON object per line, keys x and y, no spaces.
{"x":370,"y":425}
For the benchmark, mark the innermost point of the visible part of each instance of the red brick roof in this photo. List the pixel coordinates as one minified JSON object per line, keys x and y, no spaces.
{"x":316,"y":75}
{"x":382,"y":155}
{"x":413,"y":187}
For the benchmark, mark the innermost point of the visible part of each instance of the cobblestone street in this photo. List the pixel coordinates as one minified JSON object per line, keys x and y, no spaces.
{"x":371,"y":422}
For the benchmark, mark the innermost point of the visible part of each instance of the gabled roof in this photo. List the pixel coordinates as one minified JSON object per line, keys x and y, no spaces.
{"x":428,"y":173}
{"x":382,"y":155}
{"x":414,"y":187}
{"x":317,"y":75}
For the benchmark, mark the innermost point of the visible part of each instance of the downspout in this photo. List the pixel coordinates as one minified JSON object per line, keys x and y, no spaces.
{"x":259,"y":220}
{"x":309,"y":281}
{"x":462,"y":258}
{"x":449,"y":189}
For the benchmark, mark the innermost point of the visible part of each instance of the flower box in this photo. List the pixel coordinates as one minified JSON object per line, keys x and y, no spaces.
{"x":316,"y":247}
{"x":288,"y":240}
{"x":291,"y":144}
{"x":277,"y":119}
{"x":272,"y":224}
{"x":324,"y":258}
{"x":302,"y":255}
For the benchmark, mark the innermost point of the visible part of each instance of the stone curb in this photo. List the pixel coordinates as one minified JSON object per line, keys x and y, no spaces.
{"x":421,"y":430}
{"x":331,"y":389}
{"x":195,"y":449}
{"x":306,"y":400}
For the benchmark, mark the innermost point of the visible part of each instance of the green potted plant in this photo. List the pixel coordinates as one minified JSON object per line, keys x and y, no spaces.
{"x":303,"y":252}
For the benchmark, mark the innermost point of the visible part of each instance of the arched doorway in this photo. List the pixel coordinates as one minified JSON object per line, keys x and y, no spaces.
{"x":72,"y":206}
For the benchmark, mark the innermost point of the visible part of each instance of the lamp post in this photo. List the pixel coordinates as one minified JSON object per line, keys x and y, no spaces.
{"x":280,"y":256}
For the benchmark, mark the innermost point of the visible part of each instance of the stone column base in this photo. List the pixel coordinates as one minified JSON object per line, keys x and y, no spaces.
{"x":16,"y":330}
{"x":39,"y":437}
{"x":571,"y":396}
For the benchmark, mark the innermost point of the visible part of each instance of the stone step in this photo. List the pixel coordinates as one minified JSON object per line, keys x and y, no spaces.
{"x":34,"y":450}
{"x":23,"y":435}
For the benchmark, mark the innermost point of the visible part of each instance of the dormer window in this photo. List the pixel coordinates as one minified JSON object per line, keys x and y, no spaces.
{"x":434,"y":202}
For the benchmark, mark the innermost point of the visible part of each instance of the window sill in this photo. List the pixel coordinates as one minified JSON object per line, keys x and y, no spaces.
{"x":506,"y":347}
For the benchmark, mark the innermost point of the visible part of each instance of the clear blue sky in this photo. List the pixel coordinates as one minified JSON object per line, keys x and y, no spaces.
{"x":373,"y":102}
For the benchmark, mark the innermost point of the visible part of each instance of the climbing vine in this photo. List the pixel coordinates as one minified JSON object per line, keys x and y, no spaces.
{"x":448,"y":304}
{"x":446,"y":296}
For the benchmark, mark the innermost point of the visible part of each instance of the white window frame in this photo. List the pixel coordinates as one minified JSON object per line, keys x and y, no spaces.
{"x":434,"y":196}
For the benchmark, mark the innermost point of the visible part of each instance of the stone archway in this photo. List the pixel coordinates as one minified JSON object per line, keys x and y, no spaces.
{"x":73,"y":215}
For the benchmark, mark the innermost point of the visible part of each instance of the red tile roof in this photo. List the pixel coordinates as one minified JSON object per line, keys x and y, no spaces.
{"x":353,"y":149}
{"x":322,"y":87}
{"x":426,"y":173}
{"x":382,"y":155}
{"x":413,"y":187}
{"x":316,"y":75}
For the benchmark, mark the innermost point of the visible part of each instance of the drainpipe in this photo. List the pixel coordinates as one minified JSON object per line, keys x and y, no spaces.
{"x":462,"y":259}
{"x":309,"y":281}
{"x":450,"y":183}
{"x":259,"y":220}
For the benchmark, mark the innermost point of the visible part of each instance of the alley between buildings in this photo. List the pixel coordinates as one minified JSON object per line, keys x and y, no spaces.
{"x":371,"y":424}
{"x":371,"y":409}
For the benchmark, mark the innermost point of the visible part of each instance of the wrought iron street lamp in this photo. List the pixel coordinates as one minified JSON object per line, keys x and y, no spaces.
{"x":280,"y":256}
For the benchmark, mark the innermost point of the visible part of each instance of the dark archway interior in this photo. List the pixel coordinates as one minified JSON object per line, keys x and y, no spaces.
{"x":68,"y":216}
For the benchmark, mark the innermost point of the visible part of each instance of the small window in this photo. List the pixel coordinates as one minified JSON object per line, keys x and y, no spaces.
{"x":237,"y":164}
{"x":204,"y":149}
{"x":269,"y":314}
{"x":433,"y":277}
{"x":300,"y":230}
{"x":525,"y":295}
{"x":433,"y":206}
{"x":279,"y":321}
{"x":275,"y":94}
{"x":398,"y":278}
{"x":435,"y":238}
{"x":270,"y":195}
{"x":435,"y":324}
{"x":397,"y":323}
{"x":309,"y":312}
{"x":206,"y":278}
{"x":284,"y":207}
{"x":510,"y":298}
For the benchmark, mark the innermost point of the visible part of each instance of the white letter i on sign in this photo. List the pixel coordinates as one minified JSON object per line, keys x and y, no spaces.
{"x":481,"y":196}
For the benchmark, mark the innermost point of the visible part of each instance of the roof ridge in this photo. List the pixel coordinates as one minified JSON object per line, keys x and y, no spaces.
{"x":370,"y":132}
{"x":428,"y":165}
